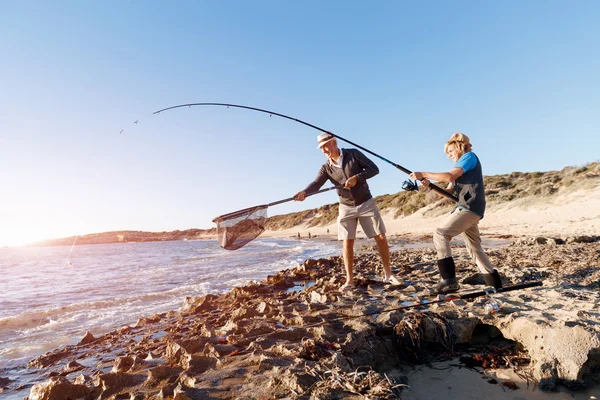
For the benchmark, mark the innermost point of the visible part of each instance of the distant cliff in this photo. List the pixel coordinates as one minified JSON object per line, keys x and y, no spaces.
{"x":131,"y":236}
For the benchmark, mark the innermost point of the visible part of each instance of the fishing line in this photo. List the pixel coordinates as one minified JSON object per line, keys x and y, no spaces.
{"x":271,"y":113}
{"x":70,"y":251}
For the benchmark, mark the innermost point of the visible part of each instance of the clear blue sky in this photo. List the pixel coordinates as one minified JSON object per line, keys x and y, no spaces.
{"x":520,"y":78}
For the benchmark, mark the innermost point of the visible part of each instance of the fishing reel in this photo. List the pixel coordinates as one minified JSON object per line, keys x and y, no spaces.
{"x":410,"y":186}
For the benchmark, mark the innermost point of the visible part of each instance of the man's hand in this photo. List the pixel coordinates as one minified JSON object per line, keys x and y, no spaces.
{"x":417,"y":175}
{"x":351,"y":182}
{"x":425,"y":182}
{"x":300,"y":196}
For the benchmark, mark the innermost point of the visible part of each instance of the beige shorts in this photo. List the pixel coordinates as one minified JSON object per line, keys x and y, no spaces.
{"x":367,"y":214}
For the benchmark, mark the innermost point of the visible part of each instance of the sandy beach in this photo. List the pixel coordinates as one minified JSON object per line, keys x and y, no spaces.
{"x":574,"y":213}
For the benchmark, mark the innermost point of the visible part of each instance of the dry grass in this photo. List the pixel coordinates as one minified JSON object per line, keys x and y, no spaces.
{"x":519,"y":185}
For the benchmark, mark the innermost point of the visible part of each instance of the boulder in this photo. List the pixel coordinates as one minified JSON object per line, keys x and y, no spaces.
{"x":558,"y":351}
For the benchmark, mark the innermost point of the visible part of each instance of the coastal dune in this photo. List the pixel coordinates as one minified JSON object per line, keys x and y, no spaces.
{"x":573,"y":212}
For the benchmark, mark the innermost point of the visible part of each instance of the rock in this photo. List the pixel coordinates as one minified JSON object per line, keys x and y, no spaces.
{"x":547,"y":375}
{"x":244,"y":313}
{"x":269,"y":363}
{"x":187,"y":381}
{"x":125,"y":330}
{"x":162,"y":372}
{"x":194,"y":305}
{"x":87,"y":338}
{"x":82,"y":379}
{"x":176,"y":350}
{"x":179,"y":393}
{"x":142,"y":322}
{"x":316,"y":297}
{"x":166,"y":392}
{"x":4,"y":382}
{"x":463,"y":329}
{"x":337,"y":360}
{"x":410,"y":289}
{"x":58,"y":388}
{"x":123,"y":364}
{"x":230,"y":328}
{"x":297,"y":380}
{"x":114,"y":382}
{"x":263,"y":308}
{"x":50,"y":358}
{"x":199,"y":364}
{"x":317,"y":307}
{"x":210,"y":351}
{"x":558,"y":351}
{"x":71,"y":367}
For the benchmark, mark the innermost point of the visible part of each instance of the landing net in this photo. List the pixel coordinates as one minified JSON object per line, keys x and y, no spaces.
{"x":237,"y":229}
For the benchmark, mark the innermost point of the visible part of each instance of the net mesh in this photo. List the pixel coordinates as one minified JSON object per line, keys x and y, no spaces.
{"x":237,"y":229}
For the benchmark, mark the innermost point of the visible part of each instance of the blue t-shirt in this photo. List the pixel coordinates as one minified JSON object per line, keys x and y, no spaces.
{"x":467,"y":162}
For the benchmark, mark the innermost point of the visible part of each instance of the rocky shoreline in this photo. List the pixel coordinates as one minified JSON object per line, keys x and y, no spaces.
{"x":296,"y":336}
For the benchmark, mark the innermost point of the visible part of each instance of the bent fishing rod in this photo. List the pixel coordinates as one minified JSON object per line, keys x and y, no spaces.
{"x":397,"y":166}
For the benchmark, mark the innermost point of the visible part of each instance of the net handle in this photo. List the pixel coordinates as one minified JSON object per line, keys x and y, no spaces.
{"x":307,"y":195}
{"x":240,"y":212}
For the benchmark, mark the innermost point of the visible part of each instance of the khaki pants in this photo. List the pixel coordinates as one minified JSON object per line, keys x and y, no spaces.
{"x":465,"y":222}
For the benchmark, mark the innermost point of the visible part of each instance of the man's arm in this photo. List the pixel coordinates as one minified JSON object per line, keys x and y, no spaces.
{"x":467,"y":162}
{"x":368,"y":166}
{"x":449,"y":176}
{"x":314,"y":186}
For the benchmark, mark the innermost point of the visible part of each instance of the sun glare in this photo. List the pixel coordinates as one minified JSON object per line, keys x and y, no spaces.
{"x":22,"y":237}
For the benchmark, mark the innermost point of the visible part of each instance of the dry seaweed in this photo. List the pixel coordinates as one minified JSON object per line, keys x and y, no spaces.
{"x":363,"y":382}
{"x":415,"y":331}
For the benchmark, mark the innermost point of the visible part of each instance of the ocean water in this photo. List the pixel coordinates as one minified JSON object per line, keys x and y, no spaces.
{"x":46,"y":303}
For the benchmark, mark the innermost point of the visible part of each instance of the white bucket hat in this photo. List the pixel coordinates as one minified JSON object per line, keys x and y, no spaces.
{"x":324,"y":138}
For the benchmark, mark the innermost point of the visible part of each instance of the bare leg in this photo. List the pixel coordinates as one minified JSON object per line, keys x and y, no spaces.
{"x":384,"y":253}
{"x":349,"y":261}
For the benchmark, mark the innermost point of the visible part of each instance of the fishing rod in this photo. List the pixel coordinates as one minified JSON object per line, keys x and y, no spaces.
{"x":397,"y":166}
{"x":250,"y":210}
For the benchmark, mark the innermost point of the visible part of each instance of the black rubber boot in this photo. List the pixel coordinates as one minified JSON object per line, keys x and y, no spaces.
{"x":493,"y":279}
{"x":448,"y":284}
